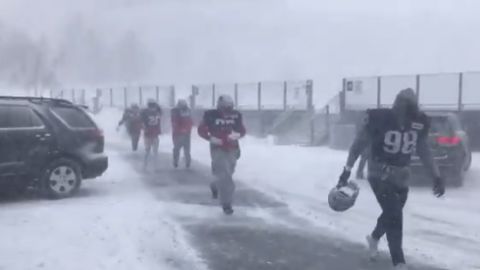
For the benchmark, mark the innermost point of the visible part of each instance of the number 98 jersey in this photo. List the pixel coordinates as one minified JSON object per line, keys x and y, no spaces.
{"x":392,"y":143}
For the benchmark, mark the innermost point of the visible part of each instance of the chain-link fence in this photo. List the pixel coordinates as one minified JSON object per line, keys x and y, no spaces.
{"x":6,"y":91}
{"x":287,"y":95}
{"x":120,"y":97}
{"x":283,"y":109}
{"x":446,"y":91}
{"x":452,"y":92}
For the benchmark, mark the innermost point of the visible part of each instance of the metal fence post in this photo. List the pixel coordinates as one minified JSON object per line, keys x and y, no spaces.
{"x":157,"y":94}
{"x":342,"y":97}
{"x":310,"y":110}
{"x":285,"y":93}
{"x":309,"y":90}
{"x":379,"y":92}
{"x":259,"y":107}
{"x":140,"y":95}
{"x":172,"y":95}
{"x":193,"y":96}
{"x":111,"y":97}
{"x":213,"y":95}
{"x":417,"y":86}
{"x":83,"y":98}
{"x":73,"y":96}
{"x":96,"y":100}
{"x":259,"y":96}
{"x":460,"y":92}
{"x":235,"y":94}
{"x":125,"y":97}
{"x":327,"y":121}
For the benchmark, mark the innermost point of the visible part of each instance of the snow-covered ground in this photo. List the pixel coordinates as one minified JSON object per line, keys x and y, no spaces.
{"x":115,"y":223}
{"x":442,"y":231}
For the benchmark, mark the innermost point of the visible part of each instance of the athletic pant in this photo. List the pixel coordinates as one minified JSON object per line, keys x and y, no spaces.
{"x":391,"y":192}
{"x":151,"y":148}
{"x":134,"y":137}
{"x":223,"y":167}
{"x":179,"y":142}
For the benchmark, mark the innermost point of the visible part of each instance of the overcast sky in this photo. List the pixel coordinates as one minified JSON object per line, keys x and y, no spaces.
{"x":247,"y":40}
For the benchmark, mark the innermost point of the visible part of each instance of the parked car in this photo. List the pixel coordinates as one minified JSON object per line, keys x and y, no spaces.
{"x":50,"y":144}
{"x":450,"y":148}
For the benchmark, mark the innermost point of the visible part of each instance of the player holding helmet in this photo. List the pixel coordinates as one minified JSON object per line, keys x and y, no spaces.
{"x":393,"y":135}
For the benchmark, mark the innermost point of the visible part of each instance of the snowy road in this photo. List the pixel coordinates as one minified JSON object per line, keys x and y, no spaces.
{"x":129,"y":219}
{"x":441,"y":231}
{"x":263,"y":234}
{"x":112,"y":223}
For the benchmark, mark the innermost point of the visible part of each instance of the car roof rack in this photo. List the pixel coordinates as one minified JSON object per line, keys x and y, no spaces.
{"x":38,"y":99}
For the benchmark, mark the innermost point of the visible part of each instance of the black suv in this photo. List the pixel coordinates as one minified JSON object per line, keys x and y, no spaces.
{"x":48,"y":143}
{"x":450,"y":147}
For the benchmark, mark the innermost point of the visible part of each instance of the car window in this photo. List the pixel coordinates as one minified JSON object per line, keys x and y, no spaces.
{"x":74,"y":117}
{"x":21,"y":117}
{"x":440,"y":125}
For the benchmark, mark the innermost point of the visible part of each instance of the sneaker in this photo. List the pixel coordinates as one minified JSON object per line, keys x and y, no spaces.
{"x":214,"y":191}
{"x":227,"y":209}
{"x":400,"y":266}
{"x":372,"y":247}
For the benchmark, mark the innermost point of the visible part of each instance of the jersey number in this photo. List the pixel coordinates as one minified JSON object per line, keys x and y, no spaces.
{"x":153,"y":120}
{"x":396,"y":142}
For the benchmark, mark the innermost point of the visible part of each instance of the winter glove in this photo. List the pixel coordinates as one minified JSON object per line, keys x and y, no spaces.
{"x":343,"y":181}
{"x":234,"y":136}
{"x":216,"y":141}
{"x":438,"y":186}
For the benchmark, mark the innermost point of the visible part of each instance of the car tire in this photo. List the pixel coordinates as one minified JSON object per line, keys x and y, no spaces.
{"x":62,"y":178}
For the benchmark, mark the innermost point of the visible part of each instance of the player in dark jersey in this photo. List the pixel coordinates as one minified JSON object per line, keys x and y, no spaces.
{"x":133,"y":122}
{"x":392,"y":135}
{"x":151,"y":117}
{"x":223,"y":127}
